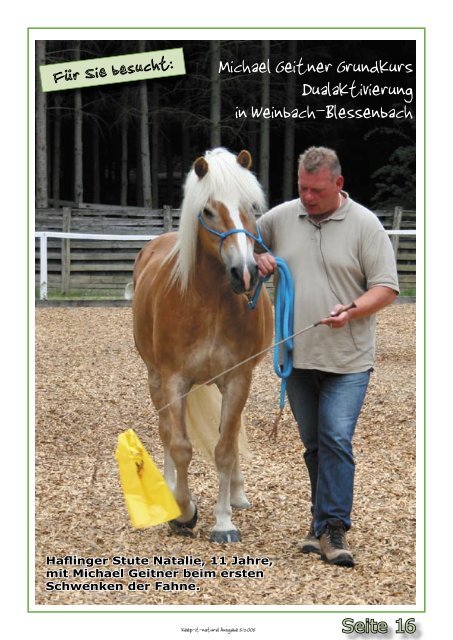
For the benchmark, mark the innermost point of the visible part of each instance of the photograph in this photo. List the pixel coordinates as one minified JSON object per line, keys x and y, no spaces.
{"x":225,"y":286}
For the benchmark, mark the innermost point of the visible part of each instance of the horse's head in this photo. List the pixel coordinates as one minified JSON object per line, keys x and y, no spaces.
{"x":227,"y":218}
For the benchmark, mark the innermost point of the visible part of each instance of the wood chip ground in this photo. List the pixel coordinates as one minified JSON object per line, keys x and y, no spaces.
{"x":91,"y":385}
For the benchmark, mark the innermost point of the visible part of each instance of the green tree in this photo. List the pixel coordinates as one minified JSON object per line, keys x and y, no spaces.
{"x":395,"y":181}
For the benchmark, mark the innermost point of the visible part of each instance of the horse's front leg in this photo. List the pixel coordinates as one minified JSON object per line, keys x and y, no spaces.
{"x":238,"y":499}
{"x":154,"y":383}
{"x":235,"y":393}
{"x":180,"y":450}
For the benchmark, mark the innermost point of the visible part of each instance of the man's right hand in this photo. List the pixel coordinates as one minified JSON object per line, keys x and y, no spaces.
{"x":266,"y":263}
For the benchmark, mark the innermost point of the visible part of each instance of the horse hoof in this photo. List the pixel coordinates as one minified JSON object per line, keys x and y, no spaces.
{"x":225,"y":536}
{"x":184,"y":528}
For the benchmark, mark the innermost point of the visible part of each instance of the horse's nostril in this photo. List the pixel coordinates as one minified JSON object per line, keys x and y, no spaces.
{"x":236,"y":274}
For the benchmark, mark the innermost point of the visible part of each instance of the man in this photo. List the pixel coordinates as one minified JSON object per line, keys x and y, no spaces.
{"x":338,"y":254}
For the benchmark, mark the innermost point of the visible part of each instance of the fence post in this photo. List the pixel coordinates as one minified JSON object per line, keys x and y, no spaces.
{"x":43,"y":267}
{"x":66,"y":252}
{"x":396,"y":226}
{"x":167,"y":218}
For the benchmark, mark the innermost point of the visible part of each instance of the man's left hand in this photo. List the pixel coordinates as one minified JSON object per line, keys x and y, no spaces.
{"x":339,"y":316}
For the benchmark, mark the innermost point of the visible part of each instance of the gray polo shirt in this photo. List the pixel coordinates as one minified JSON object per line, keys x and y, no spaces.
{"x":333,"y":262}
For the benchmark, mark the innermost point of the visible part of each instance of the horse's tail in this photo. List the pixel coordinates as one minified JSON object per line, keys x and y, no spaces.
{"x":203,"y":419}
{"x":129,"y":291}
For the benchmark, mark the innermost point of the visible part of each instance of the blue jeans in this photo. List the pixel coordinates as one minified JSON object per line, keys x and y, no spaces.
{"x":326,"y":407}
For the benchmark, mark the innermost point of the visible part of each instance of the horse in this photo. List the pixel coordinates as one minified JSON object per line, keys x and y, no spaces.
{"x":192,"y":323}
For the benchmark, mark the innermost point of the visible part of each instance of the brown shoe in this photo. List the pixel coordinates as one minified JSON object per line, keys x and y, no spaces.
{"x":333,"y":545}
{"x":310,"y":544}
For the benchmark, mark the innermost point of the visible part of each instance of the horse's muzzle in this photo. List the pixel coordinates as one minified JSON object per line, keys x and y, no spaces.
{"x":243,"y":278}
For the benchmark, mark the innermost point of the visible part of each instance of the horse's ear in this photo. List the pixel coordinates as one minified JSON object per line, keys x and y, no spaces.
{"x":245,"y":159}
{"x":200,"y":167}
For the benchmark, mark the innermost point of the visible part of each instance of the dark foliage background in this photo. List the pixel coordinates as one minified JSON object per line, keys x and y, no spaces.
{"x":378,"y":156}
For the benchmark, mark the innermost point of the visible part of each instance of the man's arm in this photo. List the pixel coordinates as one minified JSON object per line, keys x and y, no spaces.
{"x":368,"y":303}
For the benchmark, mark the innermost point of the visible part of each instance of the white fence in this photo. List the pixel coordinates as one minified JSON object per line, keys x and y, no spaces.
{"x":43,"y":235}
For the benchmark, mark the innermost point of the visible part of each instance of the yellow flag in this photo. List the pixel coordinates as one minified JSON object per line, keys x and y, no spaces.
{"x":149,"y":501}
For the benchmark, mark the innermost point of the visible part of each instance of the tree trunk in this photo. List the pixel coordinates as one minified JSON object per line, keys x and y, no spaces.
{"x":185,"y":138}
{"x":215,"y":94}
{"x":96,"y":161}
{"x":155,"y":143}
{"x":252,"y":143}
{"x":144,"y":137}
{"x":265,"y":125}
{"x":42,"y":194}
{"x":78,"y":143}
{"x":138,"y":180}
{"x":170,"y":171}
{"x":56,"y":160}
{"x":124,"y":146}
{"x":289,"y":178}
{"x":185,"y":135}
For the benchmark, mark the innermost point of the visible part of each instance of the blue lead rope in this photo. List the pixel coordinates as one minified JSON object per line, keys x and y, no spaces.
{"x":284,"y":323}
{"x":284,"y":326}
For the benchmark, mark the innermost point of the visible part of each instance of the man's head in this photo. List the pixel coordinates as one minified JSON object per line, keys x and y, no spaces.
{"x":319,"y":180}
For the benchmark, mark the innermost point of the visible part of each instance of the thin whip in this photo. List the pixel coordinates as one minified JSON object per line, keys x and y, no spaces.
{"x":260,"y":353}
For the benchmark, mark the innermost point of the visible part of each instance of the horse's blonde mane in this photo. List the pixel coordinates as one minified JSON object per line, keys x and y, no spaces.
{"x":226,"y":181}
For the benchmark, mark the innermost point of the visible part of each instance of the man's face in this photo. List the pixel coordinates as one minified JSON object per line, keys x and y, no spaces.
{"x":319,"y":191}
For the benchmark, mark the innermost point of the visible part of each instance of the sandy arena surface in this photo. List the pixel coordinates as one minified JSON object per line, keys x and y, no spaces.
{"x":91,"y":385}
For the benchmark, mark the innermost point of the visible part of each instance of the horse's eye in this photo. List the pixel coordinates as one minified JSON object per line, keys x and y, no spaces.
{"x":208,"y":213}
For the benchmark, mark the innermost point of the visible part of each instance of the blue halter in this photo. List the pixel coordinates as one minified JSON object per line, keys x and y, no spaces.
{"x":223,"y":235}
{"x":284,"y":305}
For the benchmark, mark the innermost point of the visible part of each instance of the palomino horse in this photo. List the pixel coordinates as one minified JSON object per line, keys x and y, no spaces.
{"x":192,"y":323}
